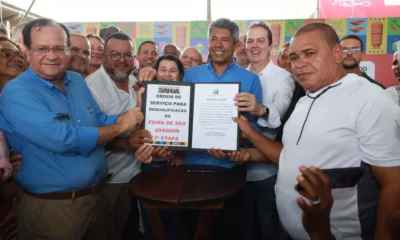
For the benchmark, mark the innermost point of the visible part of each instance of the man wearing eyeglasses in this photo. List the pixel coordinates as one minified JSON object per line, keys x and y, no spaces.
{"x":353,"y":49}
{"x":49,"y":116}
{"x":112,"y":87}
{"x":79,"y":56}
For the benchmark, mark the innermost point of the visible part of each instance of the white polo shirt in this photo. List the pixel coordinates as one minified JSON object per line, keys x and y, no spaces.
{"x":277,"y":88}
{"x":113,"y":100}
{"x":394,"y":93}
{"x":352,"y":124}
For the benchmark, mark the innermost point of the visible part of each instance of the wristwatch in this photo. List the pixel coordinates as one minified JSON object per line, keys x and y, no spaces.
{"x":266,"y":113}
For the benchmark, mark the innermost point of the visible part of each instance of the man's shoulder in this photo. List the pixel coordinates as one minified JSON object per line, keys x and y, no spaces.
{"x":94,"y":76}
{"x":20,"y":82}
{"x":276,"y":70}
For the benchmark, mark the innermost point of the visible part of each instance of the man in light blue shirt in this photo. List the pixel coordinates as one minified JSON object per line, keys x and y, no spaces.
{"x":223,"y":38}
{"x":50,"y":117}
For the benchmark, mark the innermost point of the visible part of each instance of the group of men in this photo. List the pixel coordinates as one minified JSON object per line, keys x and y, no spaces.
{"x":73,"y":133}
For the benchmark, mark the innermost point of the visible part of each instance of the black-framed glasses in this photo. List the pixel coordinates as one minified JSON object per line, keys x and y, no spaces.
{"x":351,"y":49}
{"x":10,"y":54}
{"x":115,"y":56}
{"x":60,"y":50}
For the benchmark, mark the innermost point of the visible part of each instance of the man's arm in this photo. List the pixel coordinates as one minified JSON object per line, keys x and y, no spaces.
{"x":28,"y":116}
{"x":279,"y":105}
{"x":377,"y":120}
{"x":389,"y":198}
{"x":269,"y":148}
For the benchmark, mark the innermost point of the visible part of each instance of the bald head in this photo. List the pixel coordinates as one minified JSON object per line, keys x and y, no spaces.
{"x":326,"y":31}
{"x":171,"y":49}
{"x":191,"y":57}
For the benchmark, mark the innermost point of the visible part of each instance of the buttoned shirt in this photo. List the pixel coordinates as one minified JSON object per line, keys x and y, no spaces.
{"x":55,"y":132}
{"x":249,"y":82}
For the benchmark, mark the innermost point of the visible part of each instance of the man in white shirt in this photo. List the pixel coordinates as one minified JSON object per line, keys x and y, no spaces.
{"x":112,"y":87}
{"x":277,"y":86}
{"x":343,"y":121}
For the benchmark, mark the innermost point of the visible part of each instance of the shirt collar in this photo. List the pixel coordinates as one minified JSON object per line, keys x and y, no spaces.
{"x":35,"y":77}
{"x":319,"y":91}
{"x":267,"y":69}
{"x":210,"y":65}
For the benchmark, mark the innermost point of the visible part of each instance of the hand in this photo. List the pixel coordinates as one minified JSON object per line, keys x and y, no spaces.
{"x":247,"y":102}
{"x":130,"y":119}
{"x":245,"y":126}
{"x":139,"y":137}
{"x":146,"y":74}
{"x":9,"y":189}
{"x":162,"y":152}
{"x":144,"y":153}
{"x":15,"y":162}
{"x":139,"y":97}
{"x":216,"y":153}
{"x":242,"y":156}
{"x":316,"y":212}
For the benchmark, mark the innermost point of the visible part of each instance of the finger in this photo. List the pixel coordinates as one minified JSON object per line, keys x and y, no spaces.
{"x":139,"y":97}
{"x":213,"y":153}
{"x":146,"y":154}
{"x":313,"y":180}
{"x":242,"y":117}
{"x":162,"y":151}
{"x":241,"y":95}
{"x":325,"y":186}
{"x":152,"y":74}
{"x":309,"y":190}
{"x":220,"y":153}
{"x":303,"y":205}
{"x":156,"y":150}
{"x":141,"y":149}
{"x":167,"y":153}
{"x":235,"y":157}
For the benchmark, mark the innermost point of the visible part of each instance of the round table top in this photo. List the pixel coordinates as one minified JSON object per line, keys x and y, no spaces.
{"x":188,"y":183}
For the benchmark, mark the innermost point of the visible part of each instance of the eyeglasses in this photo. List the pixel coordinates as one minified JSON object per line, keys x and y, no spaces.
{"x":10,"y":54}
{"x":115,"y":56}
{"x":78,"y":50}
{"x":45,"y":50}
{"x":352,"y":49}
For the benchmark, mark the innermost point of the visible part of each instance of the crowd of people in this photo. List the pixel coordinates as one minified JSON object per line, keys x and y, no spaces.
{"x":70,"y":117}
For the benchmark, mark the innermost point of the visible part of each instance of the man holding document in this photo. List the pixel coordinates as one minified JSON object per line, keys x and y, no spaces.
{"x":223,"y":38}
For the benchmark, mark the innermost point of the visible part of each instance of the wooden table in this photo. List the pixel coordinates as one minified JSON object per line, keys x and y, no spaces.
{"x":200,"y":187}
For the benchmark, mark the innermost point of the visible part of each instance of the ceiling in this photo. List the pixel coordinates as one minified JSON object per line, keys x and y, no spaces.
{"x":14,"y":14}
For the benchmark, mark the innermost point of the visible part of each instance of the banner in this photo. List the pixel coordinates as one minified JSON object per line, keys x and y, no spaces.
{"x":358,"y":8}
{"x":379,"y":35}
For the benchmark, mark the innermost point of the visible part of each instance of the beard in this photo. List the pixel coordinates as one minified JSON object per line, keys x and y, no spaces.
{"x":118,"y":76}
{"x":352,"y":65}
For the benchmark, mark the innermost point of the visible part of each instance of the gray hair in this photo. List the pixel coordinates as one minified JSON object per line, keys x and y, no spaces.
{"x":225,"y":24}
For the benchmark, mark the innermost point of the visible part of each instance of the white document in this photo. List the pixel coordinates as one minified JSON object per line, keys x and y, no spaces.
{"x":213,"y":109}
{"x":167,"y":114}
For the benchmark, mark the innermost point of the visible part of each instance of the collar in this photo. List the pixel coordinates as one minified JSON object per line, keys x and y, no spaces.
{"x":36,"y":78}
{"x":110,"y":82}
{"x":319,"y":91}
{"x":267,"y":69}
{"x":230,"y":66}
